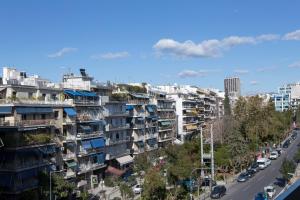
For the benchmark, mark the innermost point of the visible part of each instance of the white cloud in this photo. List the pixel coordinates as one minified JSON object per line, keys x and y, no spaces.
{"x":62,"y":52}
{"x":254,"y":82}
{"x":206,"y":48}
{"x":295,"y":35}
{"x":265,"y":69}
{"x":111,"y":55}
{"x":241,"y":71}
{"x":190,"y":74}
{"x":295,"y":65}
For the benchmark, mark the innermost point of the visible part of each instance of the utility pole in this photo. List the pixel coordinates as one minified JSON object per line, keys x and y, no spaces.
{"x":201,"y":146}
{"x":212,"y":152}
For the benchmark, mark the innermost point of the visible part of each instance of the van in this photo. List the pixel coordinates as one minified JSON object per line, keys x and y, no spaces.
{"x":263,"y":163}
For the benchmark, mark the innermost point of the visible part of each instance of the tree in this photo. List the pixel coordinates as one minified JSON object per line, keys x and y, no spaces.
{"x":126,"y":191}
{"x":154,"y":186}
{"x":288,"y":167}
{"x":227,"y":107}
{"x":297,"y":156}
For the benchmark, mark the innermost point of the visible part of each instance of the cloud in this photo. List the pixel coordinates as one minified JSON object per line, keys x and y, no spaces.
{"x":295,"y":35}
{"x":190,"y":74}
{"x":241,"y":71}
{"x":62,"y":52}
{"x":295,"y":65}
{"x":254,"y":82}
{"x":111,"y":55}
{"x":207,"y":48}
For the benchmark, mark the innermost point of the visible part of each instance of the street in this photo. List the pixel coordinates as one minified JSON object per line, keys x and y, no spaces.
{"x":249,"y":189}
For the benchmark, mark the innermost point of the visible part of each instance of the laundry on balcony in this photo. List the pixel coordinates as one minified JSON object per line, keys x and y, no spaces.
{"x":86,"y":144}
{"x":5,"y":110}
{"x":70,"y":112}
{"x":32,"y":110}
{"x":71,"y":164}
{"x":125,"y":160}
{"x":98,"y":143}
{"x":114,"y":171}
{"x":129,"y":107}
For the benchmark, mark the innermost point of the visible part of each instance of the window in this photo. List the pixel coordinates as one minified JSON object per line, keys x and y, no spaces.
{"x":24,"y":117}
{"x":30,"y":95}
{"x":43,"y":116}
{"x":117,"y":136}
{"x":34,"y":116}
{"x":53,"y":96}
{"x":14,"y":94}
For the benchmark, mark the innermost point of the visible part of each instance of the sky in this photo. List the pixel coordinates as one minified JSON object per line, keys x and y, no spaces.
{"x":159,"y":42}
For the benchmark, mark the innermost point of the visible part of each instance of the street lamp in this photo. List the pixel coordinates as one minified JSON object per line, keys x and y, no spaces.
{"x":52,"y":172}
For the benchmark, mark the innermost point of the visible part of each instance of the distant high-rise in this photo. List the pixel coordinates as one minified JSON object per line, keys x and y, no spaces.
{"x":232,"y":86}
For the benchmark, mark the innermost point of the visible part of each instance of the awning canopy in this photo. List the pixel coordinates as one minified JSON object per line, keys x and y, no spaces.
{"x":75,"y":93}
{"x":71,"y":164}
{"x":86,"y":144}
{"x":125,"y":160}
{"x":32,"y":110}
{"x":98,"y":143}
{"x":5,"y":110}
{"x":72,"y":93}
{"x":129,"y":107}
{"x":70,"y":112}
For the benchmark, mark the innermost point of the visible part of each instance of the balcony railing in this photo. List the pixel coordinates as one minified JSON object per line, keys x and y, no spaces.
{"x":87,"y":102}
{"x":150,"y":148}
{"x":119,"y":141}
{"x":69,"y":174}
{"x":35,"y":101}
{"x":89,"y":135}
{"x":110,"y":127}
{"x":44,"y":122}
{"x":140,"y":102}
{"x":22,"y":164}
{"x":91,"y":166}
{"x":139,"y":150}
{"x":89,"y":117}
{"x":137,"y":126}
{"x":116,"y":113}
{"x":150,"y":136}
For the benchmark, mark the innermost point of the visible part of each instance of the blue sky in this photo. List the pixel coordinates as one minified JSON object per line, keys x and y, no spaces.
{"x":160,"y":42}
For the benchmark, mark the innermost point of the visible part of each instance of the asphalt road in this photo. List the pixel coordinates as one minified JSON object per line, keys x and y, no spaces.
{"x":248,"y":190}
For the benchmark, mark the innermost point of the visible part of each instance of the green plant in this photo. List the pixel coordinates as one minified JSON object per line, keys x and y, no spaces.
{"x":287,"y":168}
{"x":37,"y":138}
{"x":109,"y":182}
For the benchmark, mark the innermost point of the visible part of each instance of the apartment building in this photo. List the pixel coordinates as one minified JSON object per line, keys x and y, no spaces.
{"x":29,"y":118}
{"x":167,"y":121}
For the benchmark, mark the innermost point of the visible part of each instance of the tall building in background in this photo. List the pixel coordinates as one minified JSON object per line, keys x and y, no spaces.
{"x":232,"y":86}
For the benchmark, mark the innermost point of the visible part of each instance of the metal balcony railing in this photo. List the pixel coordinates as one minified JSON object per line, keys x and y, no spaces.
{"x":69,"y":156}
{"x":27,"y":122}
{"x":35,"y":101}
{"x":110,"y":127}
{"x":89,"y":135}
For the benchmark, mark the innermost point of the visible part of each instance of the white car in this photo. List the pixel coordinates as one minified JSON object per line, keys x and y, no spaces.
{"x":263,"y":163}
{"x":274,"y":155}
{"x":270,"y":190}
{"x":137,"y":189}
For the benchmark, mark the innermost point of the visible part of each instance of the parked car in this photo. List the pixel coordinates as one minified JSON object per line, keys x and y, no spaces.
{"x":294,"y":135}
{"x":286,"y":144}
{"x":261,"y":196}
{"x":263,"y":163}
{"x":218,"y":191}
{"x":250,"y":173}
{"x":274,"y":155}
{"x":243,"y":177}
{"x":270,"y":190}
{"x":279,"y":151}
{"x":254,"y":167}
{"x":137,"y":189}
{"x":281,"y":182}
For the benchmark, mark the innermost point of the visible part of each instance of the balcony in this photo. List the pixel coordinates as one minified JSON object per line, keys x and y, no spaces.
{"x":84,"y":168}
{"x":80,"y":136}
{"x":138,"y":126}
{"x":139,"y":150}
{"x":35,"y":102}
{"x":110,"y":127}
{"x":166,"y":116}
{"x":151,"y":148}
{"x":22,"y":164}
{"x":151,"y":136}
{"x":116,"y":113}
{"x":138,"y":137}
{"x":87,"y":102}
{"x":134,"y":113}
{"x":25,"y":123}
{"x":69,"y":138}
{"x":68,"y":121}
{"x":138,"y":102}
{"x":119,"y":141}
{"x":86,"y":117}
{"x":166,"y":137}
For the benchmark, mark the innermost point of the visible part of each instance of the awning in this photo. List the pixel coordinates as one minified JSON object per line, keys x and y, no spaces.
{"x":5,"y":110}
{"x":87,"y":93}
{"x":114,"y":171}
{"x":71,"y":164}
{"x":70,"y":112}
{"x":72,"y":93}
{"x":98,"y":143}
{"x":86,"y":144}
{"x":125,"y":160}
{"x":32,"y":110}
{"x":129,"y":107}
